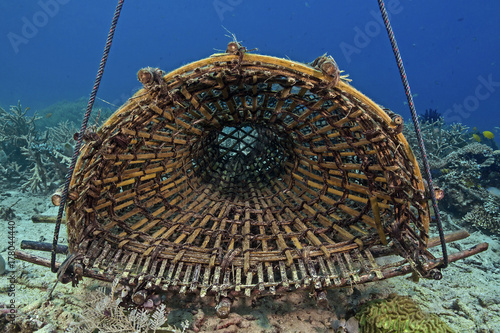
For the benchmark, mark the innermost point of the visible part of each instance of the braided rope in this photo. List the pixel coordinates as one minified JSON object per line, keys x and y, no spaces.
{"x":417,"y":128}
{"x":83,"y":128}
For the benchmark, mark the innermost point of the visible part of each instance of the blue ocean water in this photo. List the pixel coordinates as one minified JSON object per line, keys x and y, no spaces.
{"x":51,"y":48}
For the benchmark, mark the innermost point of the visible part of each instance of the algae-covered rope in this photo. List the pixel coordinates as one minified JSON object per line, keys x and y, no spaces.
{"x":83,"y":128}
{"x":417,"y":128}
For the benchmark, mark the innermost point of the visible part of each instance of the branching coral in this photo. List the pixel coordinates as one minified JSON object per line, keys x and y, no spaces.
{"x":398,"y":314}
{"x":101,"y":312}
{"x":15,"y":125}
{"x":62,"y":143}
{"x":15,"y":130}
{"x":440,"y":139}
{"x":34,"y":159}
{"x":62,"y":133}
{"x":10,"y":171}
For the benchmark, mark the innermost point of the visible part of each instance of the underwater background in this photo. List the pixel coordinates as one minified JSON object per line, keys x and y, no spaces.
{"x":450,"y":48}
{"x":49,"y":58}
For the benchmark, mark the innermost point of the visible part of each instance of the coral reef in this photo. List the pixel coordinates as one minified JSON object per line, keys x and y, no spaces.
{"x":16,"y":130}
{"x":9,"y":171}
{"x":343,"y":326}
{"x":35,"y":160}
{"x":460,"y":166}
{"x":465,"y":174}
{"x":440,"y":139}
{"x":485,"y":217}
{"x":36,"y":150}
{"x":398,"y":314}
{"x":101,"y":311}
{"x":430,"y":116}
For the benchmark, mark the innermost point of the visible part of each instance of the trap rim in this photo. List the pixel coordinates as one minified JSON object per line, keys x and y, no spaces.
{"x":279,"y":67}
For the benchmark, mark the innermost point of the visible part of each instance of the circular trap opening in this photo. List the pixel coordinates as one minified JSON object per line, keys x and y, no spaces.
{"x":238,"y":157}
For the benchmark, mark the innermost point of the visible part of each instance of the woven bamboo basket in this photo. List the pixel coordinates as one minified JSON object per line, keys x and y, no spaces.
{"x":242,"y":174}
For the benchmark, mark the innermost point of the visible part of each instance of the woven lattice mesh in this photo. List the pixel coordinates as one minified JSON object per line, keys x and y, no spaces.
{"x":245,"y":172}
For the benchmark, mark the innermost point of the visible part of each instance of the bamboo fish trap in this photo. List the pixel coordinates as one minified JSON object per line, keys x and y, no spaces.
{"x":244,"y":174}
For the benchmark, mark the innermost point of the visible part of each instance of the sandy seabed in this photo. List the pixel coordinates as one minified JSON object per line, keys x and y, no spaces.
{"x":467,"y":298}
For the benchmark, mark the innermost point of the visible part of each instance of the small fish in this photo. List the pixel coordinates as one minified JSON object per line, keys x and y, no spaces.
{"x":488,"y":135}
{"x":476,"y":137}
{"x":48,"y":115}
{"x":474,"y":129}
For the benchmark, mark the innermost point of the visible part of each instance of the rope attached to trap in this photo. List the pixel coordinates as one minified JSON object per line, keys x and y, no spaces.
{"x":83,"y":129}
{"x":417,"y":128}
